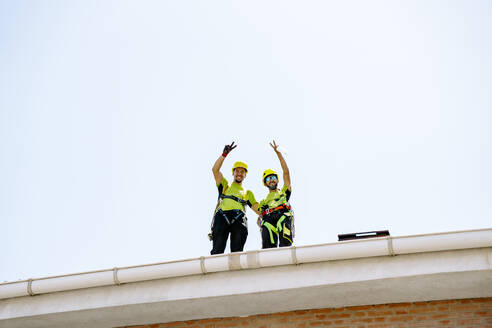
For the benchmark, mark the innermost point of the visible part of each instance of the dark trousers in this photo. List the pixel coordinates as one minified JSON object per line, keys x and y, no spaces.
{"x":229,"y":223}
{"x":283,"y":238}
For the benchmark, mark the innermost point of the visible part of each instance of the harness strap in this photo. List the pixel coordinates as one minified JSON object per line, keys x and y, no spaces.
{"x":226,"y":218}
{"x":233,"y":217}
{"x":286,"y":236}
{"x":237,"y":199}
{"x":279,"y":223}
{"x":279,"y":228}
{"x":270,"y":228}
{"x":280,"y":207}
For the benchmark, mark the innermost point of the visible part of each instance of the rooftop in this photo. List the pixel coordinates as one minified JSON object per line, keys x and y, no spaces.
{"x":383,"y":270}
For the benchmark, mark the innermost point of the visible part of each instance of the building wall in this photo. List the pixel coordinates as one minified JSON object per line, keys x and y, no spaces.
{"x":473,"y":313}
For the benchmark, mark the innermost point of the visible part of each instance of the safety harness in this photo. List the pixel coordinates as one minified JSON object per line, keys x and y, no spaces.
{"x":278,"y":229}
{"x":286,"y":233}
{"x":239,"y":215}
{"x":270,"y":210}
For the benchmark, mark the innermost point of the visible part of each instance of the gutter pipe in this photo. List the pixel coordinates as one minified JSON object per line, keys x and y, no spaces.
{"x":386,"y":246}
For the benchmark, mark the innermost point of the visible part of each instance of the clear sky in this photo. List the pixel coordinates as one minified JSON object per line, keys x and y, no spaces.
{"x":112,"y":114}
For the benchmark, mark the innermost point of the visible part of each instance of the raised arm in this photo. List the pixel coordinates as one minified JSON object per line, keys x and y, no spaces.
{"x":283,"y":163}
{"x":218,"y":163}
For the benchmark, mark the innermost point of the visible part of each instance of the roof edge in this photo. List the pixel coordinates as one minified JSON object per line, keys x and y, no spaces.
{"x":352,"y":249}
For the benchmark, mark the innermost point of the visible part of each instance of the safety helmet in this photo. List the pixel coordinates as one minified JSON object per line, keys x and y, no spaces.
{"x":267,"y":173}
{"x":240,"y":164}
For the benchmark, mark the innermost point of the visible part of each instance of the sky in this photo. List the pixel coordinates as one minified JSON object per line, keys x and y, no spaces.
{"x":112,"y":114}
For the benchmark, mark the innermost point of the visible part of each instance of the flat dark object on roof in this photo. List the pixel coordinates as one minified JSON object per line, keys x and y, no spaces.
{"x":363,"y":235}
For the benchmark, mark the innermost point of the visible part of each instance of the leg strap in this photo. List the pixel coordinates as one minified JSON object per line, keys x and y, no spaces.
{"x":270,"y":228}
{"x":279,"y":223}
{"x":283,"y":228}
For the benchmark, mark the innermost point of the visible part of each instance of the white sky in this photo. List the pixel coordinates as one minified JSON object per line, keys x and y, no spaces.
{"x":113,"y":113}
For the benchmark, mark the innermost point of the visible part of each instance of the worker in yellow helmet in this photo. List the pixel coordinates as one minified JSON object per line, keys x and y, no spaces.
{"x":230,"y":213}
{"x":276,"y":218}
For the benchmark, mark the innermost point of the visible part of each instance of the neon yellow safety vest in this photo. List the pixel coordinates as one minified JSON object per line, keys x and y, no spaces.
{"x":238,"y":191}
{"x":275,"y":198}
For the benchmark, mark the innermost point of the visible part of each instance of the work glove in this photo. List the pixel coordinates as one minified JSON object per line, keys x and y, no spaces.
{"x":228,"y":148}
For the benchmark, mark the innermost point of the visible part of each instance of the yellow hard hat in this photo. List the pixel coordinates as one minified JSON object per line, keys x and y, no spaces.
{"x":267,"y":173}
{"x":240,"y":164}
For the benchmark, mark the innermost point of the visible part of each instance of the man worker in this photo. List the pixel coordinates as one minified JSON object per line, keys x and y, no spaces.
{"x":230,"y":214}
{"x":276,"y":219}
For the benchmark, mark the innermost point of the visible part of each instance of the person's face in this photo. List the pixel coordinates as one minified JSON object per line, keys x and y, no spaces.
{"x":271,"y":182}
{"x":239,"y":174}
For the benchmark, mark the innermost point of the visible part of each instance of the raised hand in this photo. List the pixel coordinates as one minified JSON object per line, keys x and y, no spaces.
{"x":281,"y":158}
{"x":228,"y":149}
{"x":274,"y":146}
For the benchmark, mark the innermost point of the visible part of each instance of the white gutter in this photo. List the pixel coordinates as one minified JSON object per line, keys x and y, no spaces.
{"x":386,"y":246}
